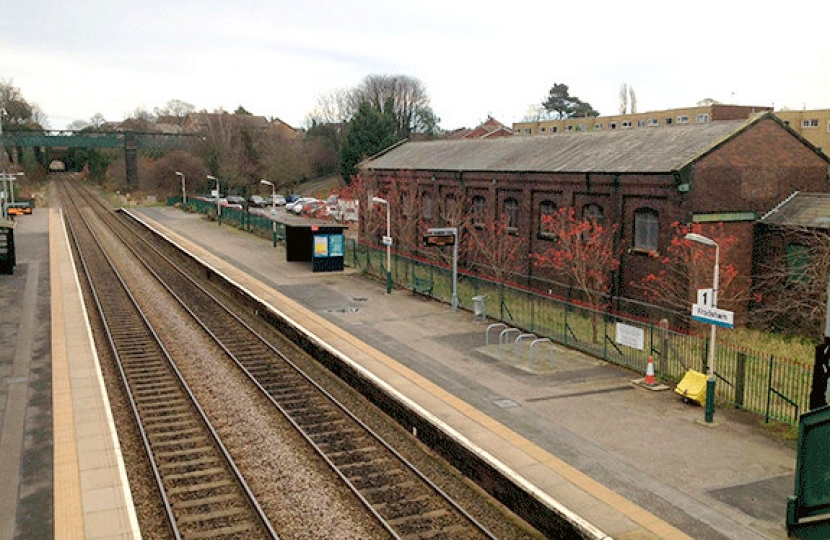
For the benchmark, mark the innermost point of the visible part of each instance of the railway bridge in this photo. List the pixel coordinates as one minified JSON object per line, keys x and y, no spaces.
{"x":130,"y":141}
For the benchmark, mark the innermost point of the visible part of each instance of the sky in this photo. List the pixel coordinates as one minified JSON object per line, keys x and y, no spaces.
{"x":278,"y":58}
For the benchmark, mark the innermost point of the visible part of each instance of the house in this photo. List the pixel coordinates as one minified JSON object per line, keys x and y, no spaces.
{"x":644,"y":180}
{"x":202,"y":121}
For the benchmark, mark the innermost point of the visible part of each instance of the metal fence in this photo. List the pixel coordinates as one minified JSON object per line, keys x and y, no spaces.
{"x":258,"y":224}
{"x":776,"y":388}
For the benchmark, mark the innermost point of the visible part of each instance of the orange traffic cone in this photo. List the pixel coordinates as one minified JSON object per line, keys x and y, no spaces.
{"x":650,"y":380}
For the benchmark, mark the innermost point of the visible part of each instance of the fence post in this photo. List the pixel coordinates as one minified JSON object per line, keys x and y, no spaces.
{"x":769,"y":387}
{"x":740,"y":379}
{"x":664,"y":346}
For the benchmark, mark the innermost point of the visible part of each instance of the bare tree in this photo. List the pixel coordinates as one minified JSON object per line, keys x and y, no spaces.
{"x":632,"y":100}
{"x":623,"y":98}
{"x":337,"y":108}
{"x":791,"y":281}
{"x":401,"y":96}
{"x":97,"y":120}
{"x":15,"y":110}
{"x":174,"y":107}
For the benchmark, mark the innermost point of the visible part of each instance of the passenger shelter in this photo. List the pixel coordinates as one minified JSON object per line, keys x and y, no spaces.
{"x":317,"y":241}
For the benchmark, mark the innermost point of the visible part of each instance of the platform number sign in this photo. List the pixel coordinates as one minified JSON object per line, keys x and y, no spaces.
{"x":705,"y":297}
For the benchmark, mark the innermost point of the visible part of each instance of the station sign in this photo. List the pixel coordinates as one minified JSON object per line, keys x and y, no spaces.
{"x":713,"y":315}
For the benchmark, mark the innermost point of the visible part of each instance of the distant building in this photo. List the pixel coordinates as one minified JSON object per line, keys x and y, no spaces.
{"x":701,"y":114}
{"x":488,"y":129}
{"x":201,"y":121}
{"x":813,"y":125}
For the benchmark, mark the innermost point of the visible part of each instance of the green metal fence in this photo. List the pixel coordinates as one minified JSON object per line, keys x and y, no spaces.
{"x":776,"y":388}
{"x":258,"y":224}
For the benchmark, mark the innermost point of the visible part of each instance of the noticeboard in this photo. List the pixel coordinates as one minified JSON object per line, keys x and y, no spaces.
{"x":327,"y":252}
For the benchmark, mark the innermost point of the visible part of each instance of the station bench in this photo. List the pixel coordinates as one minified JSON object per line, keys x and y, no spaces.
{"x":422,"y":285}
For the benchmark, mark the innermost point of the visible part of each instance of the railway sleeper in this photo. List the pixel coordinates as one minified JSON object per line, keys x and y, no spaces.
{"x":183,"y":448}
{"x":202,"y":490}
{"x":189,"y":464}
{"x":196,"y":473}
{"x":223,"y":514}
{"x":225,"y":533}
{"x":411,"y":513}
{"x":206,"y":501}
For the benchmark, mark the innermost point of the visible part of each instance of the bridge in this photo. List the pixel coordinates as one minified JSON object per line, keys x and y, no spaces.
{"x":130,"y":141}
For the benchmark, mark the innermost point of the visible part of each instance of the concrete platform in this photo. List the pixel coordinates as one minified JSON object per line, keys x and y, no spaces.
{"x":62,"y":475}
{"x":626,"y":461}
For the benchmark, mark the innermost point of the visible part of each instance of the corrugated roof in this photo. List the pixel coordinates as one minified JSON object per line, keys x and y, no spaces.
{"x":636,"y":150}
{"x":801,"y":210}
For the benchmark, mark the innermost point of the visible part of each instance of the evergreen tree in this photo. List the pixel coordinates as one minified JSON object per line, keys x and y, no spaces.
{"x":369,"y":132}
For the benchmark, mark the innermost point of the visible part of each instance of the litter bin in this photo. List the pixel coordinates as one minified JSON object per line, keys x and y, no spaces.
{"x":480,"y":308}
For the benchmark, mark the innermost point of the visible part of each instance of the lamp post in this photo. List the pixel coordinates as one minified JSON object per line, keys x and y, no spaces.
{"x":184,"y":195}
{"x":388,"y":241}
{"x":218,"y":208}
{"x":273,"y":209}
{"x":3,"y":165}
{"x":710,"y":382}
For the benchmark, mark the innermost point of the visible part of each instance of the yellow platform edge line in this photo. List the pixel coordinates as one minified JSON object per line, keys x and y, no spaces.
{"x":68,"y":511}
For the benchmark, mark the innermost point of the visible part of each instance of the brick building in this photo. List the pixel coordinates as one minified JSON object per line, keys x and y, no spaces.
{"x":729,"y":172}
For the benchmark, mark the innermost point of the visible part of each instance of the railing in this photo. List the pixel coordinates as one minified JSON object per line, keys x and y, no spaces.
{"x":776,"y":388}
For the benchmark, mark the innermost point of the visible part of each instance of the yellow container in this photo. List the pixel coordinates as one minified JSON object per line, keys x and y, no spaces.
{"x":693,"y":387}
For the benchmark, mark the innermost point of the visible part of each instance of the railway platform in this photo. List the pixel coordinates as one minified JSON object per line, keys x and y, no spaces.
{"x":622,"y":461}
{"x":61,"y":472}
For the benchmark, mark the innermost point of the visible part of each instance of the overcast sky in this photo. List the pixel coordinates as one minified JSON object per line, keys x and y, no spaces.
{"x":475,"y":58}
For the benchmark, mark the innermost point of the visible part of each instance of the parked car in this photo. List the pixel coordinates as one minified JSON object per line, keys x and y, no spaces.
{"x":236,"y":199}
{"x":277,"y":199}
{"x":257,"y":201}
{"x":291,"y":198}
{"x":317,"y":209}
{"x":298,"y":205}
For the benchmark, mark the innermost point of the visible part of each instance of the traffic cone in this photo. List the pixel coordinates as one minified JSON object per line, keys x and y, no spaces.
{"x":650,"y":379}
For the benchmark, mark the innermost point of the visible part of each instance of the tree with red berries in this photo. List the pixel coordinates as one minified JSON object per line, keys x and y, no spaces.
{"x":686,"y":266}
{"x":583,"y":253}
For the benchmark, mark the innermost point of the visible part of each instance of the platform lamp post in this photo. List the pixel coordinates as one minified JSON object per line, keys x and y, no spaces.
{"x":3,"y":165}
{"x":710,"y":382}
{"x":388,"y":241}
{"x":218,"y":208}
{"x":184,"y":195}
{"x":273,"y":209}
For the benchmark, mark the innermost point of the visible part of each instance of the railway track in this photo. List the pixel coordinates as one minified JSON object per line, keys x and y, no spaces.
{"x":203,"y":492}
{"x":404,"y":502}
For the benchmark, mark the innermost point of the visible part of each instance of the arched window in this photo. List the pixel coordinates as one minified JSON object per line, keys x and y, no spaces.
{"x":798,"y":258}
{"x":478,"y":210}
{"x":593,"y":213}
{"x":646,"y":229}
{"x":425,"y":196}
{"x":595,"y":216}
{"x":511,"y":213}
{"x":546,"y":209}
